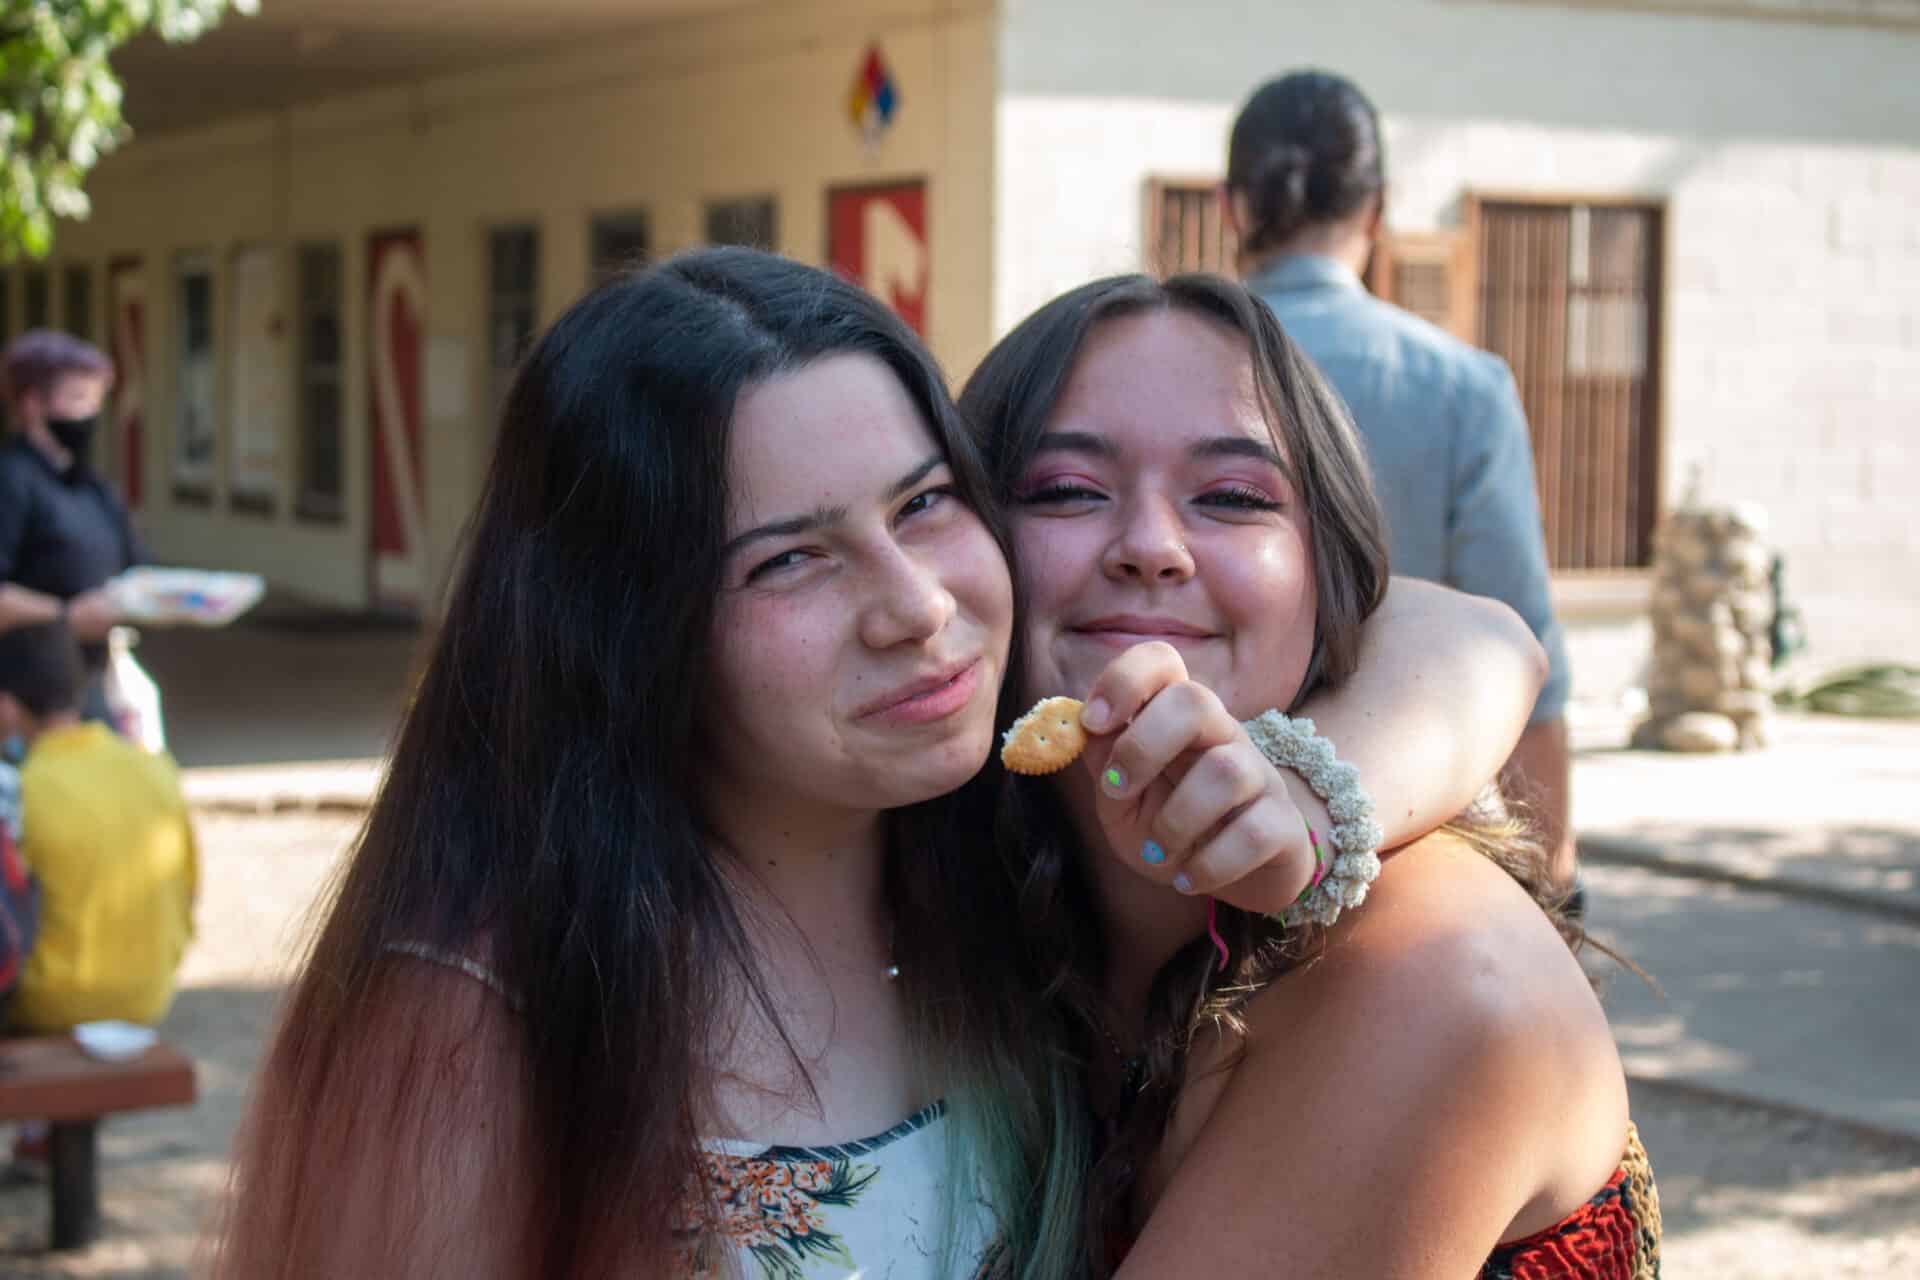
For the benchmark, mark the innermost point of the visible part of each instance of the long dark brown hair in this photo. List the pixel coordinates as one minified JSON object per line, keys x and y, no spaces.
{"x":539,"y":816}
{"x":1008,"y":404}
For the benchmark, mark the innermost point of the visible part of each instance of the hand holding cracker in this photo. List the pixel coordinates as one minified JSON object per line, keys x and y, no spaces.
{"x":1185,"y":797}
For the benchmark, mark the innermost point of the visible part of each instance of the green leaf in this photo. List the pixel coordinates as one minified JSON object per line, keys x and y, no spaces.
{"x":60,"y":101}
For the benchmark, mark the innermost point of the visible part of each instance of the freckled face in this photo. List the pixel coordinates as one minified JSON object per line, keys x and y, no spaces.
{"x":865,"y":611}
{"x":1159,"y":507}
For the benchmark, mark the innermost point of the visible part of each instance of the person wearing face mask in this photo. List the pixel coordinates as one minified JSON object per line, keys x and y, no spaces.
{"x":63,"y":530}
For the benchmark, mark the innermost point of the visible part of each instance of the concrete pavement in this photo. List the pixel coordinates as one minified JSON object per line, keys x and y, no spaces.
{"x":1830,"y":811}
{"x":1764,"y":997}
{"x":1775,"y":897}
{"x":286,"y":687}
{"x":291,"y":709}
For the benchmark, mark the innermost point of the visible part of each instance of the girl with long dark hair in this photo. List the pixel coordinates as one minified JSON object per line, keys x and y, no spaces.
{"x":1427,"y":1087}
{"x":679,"y":940}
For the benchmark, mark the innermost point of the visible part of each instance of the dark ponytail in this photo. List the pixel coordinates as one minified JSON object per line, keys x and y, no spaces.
{"x":1306,"y":150}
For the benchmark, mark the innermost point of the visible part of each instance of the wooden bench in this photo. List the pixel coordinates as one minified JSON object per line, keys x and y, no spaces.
{"x":49,"y":1078}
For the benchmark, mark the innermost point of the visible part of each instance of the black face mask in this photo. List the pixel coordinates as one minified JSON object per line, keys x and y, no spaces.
{"x":74,"y":434}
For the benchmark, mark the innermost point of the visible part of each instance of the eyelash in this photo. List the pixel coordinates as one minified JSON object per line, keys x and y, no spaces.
{"x":1059,"y":491}
{"x":1242,"y":497}
{"x":774,"y":564}
{"x":937,"y":491}
{"x":786,"y":559}
{"x":1236,"y":497}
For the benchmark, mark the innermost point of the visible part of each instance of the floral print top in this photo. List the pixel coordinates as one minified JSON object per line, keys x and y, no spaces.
{"x":867,"y":1210}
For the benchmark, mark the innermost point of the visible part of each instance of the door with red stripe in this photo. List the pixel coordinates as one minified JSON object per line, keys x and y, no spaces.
{"x":396,"y":328}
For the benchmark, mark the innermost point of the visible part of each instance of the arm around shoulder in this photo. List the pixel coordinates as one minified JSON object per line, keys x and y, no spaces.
{"x":1442,"y":692}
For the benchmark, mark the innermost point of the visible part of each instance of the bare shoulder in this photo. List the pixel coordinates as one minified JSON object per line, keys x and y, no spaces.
{"x":397,"y":1147}
{"x":461,"y":1016}
{"x":1445,"y":924}
{"x":1450,"y":991}
{"x":1448,"y":955}
{"x":1444,"y":1055}
{"x":1448,"y":972}
{"x":431,"y":1067}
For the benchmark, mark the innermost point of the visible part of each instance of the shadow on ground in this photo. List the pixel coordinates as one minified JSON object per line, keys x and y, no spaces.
{"x":1765,"y":996}
{"x":1878,"y":865}
{"x":1728,"y":1172}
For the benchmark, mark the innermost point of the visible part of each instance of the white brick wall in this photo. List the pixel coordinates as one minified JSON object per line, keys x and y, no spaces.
{"x":1788,"y":155}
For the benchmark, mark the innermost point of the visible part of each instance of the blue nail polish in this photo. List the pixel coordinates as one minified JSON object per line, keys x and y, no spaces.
{"x":1154,"y":854}
{"x":1183,"y":884}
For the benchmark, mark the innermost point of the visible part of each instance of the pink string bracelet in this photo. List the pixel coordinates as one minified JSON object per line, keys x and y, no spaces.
{"x":1213,"y":904}
{"x":1319,"y":858}
{"x":1213,"y":931}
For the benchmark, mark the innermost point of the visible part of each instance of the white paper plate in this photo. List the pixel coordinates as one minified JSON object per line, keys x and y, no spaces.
{"x":115,"y":1041}
{"x":193,"y":597}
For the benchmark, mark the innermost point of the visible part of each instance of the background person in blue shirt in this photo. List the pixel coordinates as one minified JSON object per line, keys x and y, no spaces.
{"x":1443,"y":424}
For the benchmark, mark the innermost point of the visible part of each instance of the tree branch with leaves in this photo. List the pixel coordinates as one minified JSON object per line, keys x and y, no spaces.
{"x":60,"y":100}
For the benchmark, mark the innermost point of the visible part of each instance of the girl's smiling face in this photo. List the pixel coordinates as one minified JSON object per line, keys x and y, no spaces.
{"x":1160,"y":506}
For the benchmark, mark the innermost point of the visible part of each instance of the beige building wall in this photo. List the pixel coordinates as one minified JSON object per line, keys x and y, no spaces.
{"x":1787,"y":152}
{"x":750,"y":103}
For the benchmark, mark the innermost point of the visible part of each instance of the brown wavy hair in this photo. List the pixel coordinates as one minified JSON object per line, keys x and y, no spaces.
{"x":1008,"y":404}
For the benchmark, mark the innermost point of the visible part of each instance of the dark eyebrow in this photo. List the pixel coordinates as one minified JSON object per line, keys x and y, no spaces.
{"x":916,"y":475}
{"x":821,"y":517}
{"x":1077,"y":442}
{"x":1242,"y":447}
{"x":818,"y":518}
{"x":1099,"y":446}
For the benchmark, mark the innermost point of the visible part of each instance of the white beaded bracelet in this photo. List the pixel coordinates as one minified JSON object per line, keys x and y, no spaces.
{"x":1292,"y":743}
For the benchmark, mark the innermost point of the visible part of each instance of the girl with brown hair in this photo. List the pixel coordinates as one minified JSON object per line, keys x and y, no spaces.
{"x":1424,"y":1087}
